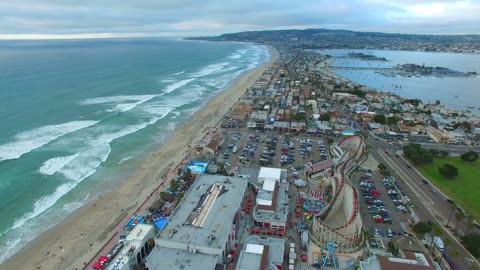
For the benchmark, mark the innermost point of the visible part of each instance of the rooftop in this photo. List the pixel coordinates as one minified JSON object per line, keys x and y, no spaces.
{"x":202,"y":217}
{"x":261,"y":253}
{"x":269,"y":173}
{"x":169,"y":258}
{"x":412,"y":261}
{"x":279,"y":208}
{"x":407,"y":243}
{"x":139,"y":232}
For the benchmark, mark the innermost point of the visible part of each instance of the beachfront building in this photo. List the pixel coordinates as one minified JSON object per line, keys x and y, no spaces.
{"x":261,"y":253}
{"x":137,"y":245}
{"x":271,"y":204}
{"x":202,"y":231}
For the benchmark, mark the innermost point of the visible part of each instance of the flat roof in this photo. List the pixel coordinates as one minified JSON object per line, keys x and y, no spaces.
{"x":269,"y":184}
{"x":139,"y":232}
{"x":279,"y":211}
{"x":267,"y":172}
{"x":168,"y":258}
{"x":254,"y":257}
{"x":412,"y":261}
{"x":203,"y":216}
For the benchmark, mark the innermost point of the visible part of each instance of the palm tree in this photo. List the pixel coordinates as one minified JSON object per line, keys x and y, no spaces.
{"x":452,"y":208}
{"x":459,"y":216}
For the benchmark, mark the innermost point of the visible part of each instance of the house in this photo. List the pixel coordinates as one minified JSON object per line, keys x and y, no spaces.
{"x":298,"y":126}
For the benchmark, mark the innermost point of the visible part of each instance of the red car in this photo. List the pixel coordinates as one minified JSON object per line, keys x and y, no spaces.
{"x":378,"y":219}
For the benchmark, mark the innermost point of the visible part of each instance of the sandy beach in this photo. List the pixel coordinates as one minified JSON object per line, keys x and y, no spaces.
{"x":82,"y":234}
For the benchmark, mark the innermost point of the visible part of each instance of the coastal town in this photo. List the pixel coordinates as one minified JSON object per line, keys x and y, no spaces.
{"x":305,"y":171}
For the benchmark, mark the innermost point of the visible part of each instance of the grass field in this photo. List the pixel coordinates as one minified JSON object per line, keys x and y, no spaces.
{"x":464,"y":189}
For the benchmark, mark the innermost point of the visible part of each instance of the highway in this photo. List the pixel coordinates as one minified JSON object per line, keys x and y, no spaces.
{"x":429,"y":205}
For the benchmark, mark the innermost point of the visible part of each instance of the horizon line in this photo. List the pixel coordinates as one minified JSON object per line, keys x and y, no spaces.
{"x":185,"y":34}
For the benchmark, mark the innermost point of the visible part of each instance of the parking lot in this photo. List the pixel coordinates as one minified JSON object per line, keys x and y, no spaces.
{"x":380,"y":205}
{"x":263,"y":149}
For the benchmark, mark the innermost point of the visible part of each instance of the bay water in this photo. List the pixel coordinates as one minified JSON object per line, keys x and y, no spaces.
{"x":457,"y":92}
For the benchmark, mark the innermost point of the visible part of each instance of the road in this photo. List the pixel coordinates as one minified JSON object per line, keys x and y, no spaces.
{"x":429,"y":206}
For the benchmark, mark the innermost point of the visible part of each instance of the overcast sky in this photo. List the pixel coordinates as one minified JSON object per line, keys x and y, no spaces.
{"x":106,"y":18}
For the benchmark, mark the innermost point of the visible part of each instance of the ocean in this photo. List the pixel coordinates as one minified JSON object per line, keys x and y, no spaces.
{"x":78,"y":116}
{"x":457,"y":92}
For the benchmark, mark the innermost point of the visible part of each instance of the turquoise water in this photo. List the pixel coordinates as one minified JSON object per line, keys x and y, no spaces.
{"x":77,"y":117}
{"x":454,"y":92}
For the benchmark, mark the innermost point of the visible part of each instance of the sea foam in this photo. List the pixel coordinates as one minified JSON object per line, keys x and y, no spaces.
{"x":178,"y":73}
{"x":28,"y":141}
{"x":53,"y":165}
{"x":207,"y":70}
{"x":44,"y":203}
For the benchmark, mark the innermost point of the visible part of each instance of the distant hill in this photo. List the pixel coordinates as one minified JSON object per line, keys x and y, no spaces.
{"x":345,"y":39}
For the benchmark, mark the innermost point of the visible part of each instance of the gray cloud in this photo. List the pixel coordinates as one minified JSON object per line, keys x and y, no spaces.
{"x":159,"y":17}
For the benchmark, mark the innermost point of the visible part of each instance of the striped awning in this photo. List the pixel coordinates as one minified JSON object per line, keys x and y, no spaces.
{"x":320,"y":166}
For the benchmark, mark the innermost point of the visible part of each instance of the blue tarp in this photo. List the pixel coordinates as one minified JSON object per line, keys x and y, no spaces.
{"x":134,"y":220}
{"x":196,"y":166}
{"x":160,"y":223}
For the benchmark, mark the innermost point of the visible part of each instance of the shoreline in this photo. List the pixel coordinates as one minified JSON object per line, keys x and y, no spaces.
{"x":75,"y":241}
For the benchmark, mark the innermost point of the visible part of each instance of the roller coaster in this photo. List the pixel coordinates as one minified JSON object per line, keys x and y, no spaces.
{"x":340,"y":221}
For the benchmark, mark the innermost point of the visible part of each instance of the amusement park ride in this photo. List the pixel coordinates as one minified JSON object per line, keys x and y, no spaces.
{"x":329,"y":257}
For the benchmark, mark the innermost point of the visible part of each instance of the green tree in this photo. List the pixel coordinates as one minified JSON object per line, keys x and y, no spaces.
{"x":180,"y":196}
{"x":421,"y":228}
{"x":324,"y":117}
{"x":417,"y":154}
{"x":472,"y":243}
{"x":459,"y":216}
{"x":448,"y":171}
{"x":444,"y":153}
{"x":470,"y":223}
{"x":434,"y":152}
{"x":469,"y":156}
{"x":392,"y":120}
{"x":359,"y":93}
{"x":383,"y":169}
{"x":173,"y":184}
{"x":379,"y":118}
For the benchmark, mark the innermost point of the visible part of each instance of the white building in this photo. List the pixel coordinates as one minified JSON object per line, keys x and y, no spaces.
{"x":261,"y":253}
{"x":138,"y":245}
{"x":270,"y":209}
{"x":269,"y":173}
